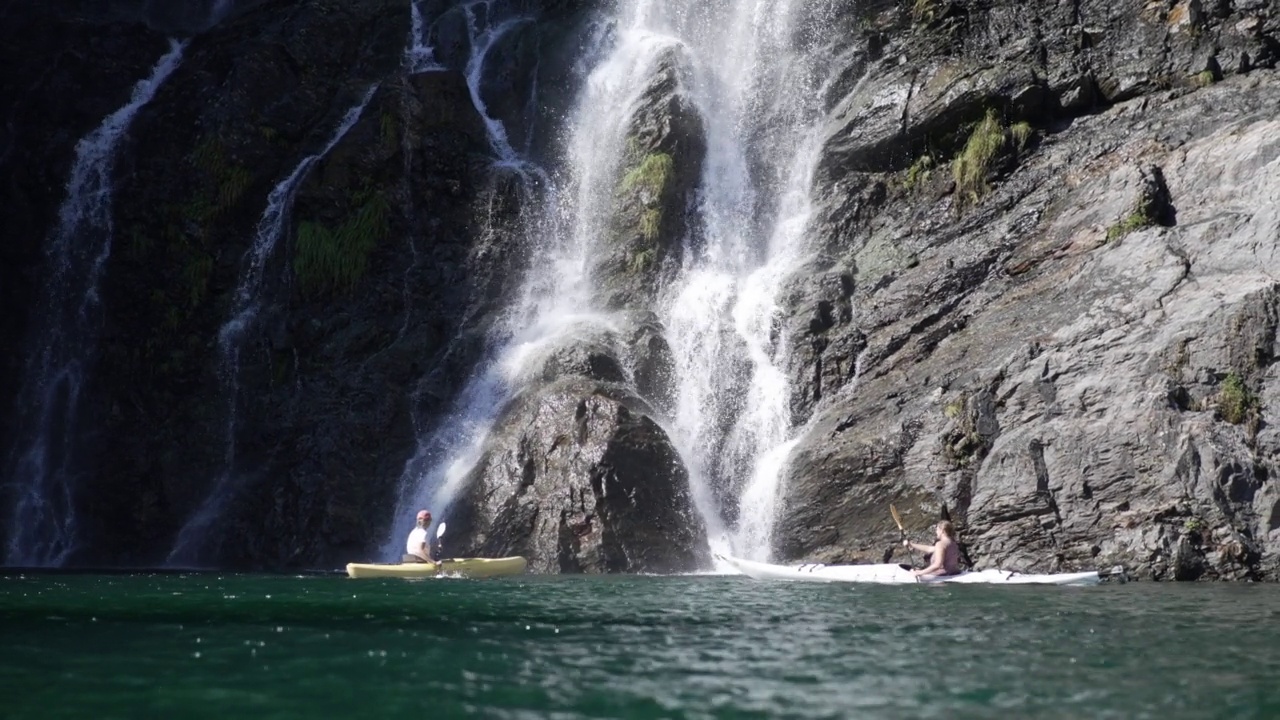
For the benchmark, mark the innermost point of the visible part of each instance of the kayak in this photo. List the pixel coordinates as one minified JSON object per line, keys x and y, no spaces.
{"x":890,"y":574}
{"x":459,"y":567}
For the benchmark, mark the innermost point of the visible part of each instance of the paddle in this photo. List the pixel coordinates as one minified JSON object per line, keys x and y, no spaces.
{"x":440,"y":545}
{"x":902,"y":531}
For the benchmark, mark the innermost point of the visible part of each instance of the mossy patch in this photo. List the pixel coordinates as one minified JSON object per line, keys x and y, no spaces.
{"x":651,"y":175}
{"x":649,"y":180}
{"x":1132,"y":222}
{"x":328,"y":260}
{"x":918,"y":173}
{"x":1204,"y":79}
{"x":643,"y":260}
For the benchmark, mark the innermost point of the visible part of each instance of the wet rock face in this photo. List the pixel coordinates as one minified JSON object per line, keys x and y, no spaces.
{"x":1075,"y":355}
{"x":661,"y":168}
{"x":578,"y":478}
{"x":252,"y":98}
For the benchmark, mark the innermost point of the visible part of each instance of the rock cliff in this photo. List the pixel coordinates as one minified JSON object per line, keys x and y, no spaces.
{"x":1047,"y":300}
{"x":1043,"y":296}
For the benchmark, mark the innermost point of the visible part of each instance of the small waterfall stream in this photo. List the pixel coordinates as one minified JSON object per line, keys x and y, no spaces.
{"x":43,"y":467}
{"x":193,"y":537}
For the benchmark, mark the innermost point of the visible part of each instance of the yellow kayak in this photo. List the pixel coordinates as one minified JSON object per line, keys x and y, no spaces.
{"x":460,"y":567}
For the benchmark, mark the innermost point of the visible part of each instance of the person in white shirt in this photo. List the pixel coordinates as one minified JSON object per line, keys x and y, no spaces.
{"x":417,"y":548}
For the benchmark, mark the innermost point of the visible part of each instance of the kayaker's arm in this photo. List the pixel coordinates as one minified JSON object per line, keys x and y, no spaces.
{"x":918,"y":546}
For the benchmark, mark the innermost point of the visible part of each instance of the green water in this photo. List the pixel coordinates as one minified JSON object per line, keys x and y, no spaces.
{"x":218,"y":646}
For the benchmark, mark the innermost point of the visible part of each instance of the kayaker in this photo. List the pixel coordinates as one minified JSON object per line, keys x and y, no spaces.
{"x":417,"y":548}
{"x":946,"y":552}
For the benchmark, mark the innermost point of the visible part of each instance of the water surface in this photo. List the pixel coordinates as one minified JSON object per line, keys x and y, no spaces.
{"x":209,"y":645}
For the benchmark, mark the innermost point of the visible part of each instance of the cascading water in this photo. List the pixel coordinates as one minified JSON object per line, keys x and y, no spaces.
{"x":420,"y":56}
{"x":555,"y":302}
{"x":759,"y":96}
{"x":246,"y":303}
{"x":43,"y":468}
{"x":759,"y":100}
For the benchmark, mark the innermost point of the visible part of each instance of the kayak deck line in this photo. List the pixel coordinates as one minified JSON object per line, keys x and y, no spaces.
{"x":454,"y":567}
{"x":890,"y":574}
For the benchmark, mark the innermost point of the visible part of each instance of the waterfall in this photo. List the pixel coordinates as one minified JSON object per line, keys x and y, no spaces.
{"x":43,"y":467}
{"x":758,"y":96}
{"x":246,"y":303}
{"x":555,"y":302}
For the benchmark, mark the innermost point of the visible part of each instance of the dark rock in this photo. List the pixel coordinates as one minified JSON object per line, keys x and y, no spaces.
{"x":578,"y":478}
{"x":653,"y":365}
{"x":507,"y":85}
{"x":586,"y":357}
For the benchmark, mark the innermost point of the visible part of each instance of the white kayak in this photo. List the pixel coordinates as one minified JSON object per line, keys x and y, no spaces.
{"x":890,"y":574}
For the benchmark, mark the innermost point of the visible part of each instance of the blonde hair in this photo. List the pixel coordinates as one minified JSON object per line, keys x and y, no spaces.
{"x":947,"y":529}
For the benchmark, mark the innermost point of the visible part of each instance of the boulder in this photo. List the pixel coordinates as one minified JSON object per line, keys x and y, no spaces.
{"x":577,"y":477}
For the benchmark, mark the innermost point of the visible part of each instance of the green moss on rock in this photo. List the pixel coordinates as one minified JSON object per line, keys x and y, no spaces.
{"x":329,"y":260}
{"x":651,"y":175}
{"x":1132,"y":222}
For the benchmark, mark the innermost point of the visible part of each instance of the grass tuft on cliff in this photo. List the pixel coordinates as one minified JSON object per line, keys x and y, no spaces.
{"x":332,"y":260}
{"x":1132,"y":222}
{"x":1204,"y":79}
{"x":1236,"y":403}
{"x":650,"y":222}
{"x":970,"y":167}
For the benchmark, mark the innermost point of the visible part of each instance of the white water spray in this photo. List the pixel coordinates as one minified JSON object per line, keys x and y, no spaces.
{"x":420,"y":56}
{"x":555,"y":305}
{"x":43,"y":521}
{"x":758,"y":97}
{"x":247,"y":301}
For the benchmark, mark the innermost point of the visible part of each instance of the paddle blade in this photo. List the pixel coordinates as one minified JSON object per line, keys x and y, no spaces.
{"x":440,"y":531}
{"x":897,"y":519}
